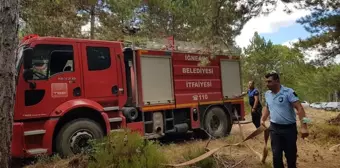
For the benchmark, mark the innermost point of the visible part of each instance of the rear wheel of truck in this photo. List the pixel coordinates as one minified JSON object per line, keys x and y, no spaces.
{"x":217,"y":123}
{"x":73,"y":137}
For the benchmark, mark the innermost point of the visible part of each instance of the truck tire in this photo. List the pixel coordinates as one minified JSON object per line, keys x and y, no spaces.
{"x":217,"y":123}
{"x":72,"y":138}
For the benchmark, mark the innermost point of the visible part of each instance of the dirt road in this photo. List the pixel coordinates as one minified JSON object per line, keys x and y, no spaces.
{"x":311,"y":152}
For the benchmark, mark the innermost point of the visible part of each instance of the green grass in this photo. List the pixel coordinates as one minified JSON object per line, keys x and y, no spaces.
{"x":125,"y":150}
{"x":43,"y":160}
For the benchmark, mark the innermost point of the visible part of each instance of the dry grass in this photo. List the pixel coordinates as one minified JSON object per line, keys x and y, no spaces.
{"x":313,"y":152}
{"x":79,"y":161}
{"x":329,"y":135}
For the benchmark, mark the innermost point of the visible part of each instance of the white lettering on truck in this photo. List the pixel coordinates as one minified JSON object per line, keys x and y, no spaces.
{"x":198,"y":70}
{"x":200,"y":97}
{"x":194,"y":57}
{"x":198,"y":84}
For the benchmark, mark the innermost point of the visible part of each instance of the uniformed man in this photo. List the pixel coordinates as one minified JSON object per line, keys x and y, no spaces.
{"x":254,"y":102}
{"x":280,"y":104}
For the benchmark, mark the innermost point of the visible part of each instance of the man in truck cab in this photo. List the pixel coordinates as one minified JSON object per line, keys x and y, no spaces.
{"x":40,"y":67}
{"x":254,"y":102}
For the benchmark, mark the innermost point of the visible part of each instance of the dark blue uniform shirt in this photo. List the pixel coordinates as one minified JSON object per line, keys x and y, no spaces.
{"x":251,"y":96}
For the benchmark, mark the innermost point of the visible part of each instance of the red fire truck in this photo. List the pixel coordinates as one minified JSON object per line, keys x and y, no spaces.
{"x":72,"y":90}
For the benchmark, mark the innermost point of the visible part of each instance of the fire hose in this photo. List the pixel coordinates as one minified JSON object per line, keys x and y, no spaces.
{"x":254,"y":134}
{"x":257,"y":132}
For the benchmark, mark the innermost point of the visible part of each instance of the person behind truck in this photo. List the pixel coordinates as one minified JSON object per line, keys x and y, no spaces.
{"x":280,"y":104}
{"x":254,"y":102}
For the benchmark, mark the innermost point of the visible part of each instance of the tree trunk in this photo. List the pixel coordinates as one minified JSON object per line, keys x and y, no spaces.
{"x":9,"y":15}
{"x":92,"y":15}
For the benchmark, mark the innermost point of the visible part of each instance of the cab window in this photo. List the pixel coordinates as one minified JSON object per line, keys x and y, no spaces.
{"x":98,"y":58}
{"x":49,"y":60}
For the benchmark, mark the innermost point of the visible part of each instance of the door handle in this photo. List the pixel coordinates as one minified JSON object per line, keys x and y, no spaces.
{"x":76,"y":92}
{"x":115,"y":90}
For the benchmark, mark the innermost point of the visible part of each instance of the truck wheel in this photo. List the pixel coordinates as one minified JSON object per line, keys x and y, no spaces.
{"x":73,"y":137}
{"x":217,"y":123}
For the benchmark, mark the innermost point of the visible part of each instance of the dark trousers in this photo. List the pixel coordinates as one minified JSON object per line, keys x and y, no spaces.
{"x":256,"y":117}
{"x":283,"y":139}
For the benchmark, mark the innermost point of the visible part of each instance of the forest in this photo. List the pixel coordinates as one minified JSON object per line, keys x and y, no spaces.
{"x":212,"y":23}
{"x":205,"y":22}
{"x":312,"y":82}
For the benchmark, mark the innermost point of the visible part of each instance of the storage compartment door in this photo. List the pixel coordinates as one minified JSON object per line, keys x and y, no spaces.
{"x":231,"y":78}
{"x":156,"y":80}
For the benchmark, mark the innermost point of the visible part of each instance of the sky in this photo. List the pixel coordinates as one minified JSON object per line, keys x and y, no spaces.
{"x":280,"y":28}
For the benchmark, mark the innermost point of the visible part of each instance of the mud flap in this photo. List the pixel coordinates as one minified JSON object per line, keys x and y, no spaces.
{"x":236,"y":120}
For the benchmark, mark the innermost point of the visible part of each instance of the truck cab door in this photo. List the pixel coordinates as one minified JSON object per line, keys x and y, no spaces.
{"x":56,"y":79}
{"x":100,"y":74}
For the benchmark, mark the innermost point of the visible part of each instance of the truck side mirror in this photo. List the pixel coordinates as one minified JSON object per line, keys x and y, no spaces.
{"x":28,"y":56}
{"x":28,"y":71}
{"x":28,"y":74}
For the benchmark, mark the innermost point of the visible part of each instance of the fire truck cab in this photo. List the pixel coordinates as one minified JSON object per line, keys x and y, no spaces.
{"x":72,"y":90}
